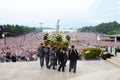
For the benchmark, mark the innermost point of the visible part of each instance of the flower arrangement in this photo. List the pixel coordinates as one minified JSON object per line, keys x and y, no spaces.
{"x":58,"y":40}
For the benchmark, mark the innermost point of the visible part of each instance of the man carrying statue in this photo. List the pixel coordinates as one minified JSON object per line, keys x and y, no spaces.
{"x":73,"y":56}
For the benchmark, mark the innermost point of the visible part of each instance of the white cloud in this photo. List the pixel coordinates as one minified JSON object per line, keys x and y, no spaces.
{"x":70,"y":12}
{"x":44,"y":8}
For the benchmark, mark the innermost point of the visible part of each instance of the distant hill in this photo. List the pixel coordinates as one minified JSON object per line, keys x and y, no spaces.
{"x":105,"y":28}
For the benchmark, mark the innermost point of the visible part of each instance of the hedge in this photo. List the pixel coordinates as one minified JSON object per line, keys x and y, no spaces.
{"x":90,"y":53}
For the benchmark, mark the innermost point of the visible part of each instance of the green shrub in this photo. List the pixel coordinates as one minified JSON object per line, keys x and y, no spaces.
{"x":90,"y":53}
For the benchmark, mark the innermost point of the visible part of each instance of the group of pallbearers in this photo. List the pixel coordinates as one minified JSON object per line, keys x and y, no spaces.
{"x":54,"y":57}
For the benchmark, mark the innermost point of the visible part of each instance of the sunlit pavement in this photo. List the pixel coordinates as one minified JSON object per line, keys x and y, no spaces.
{"x":86,"y":70}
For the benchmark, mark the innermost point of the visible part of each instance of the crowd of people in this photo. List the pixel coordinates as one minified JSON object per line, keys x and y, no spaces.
{"x":90,"y":39}
{"x":20,"y":48}
{"x":9,"y":55}
{"x":54,"y":57}
{"x":26,"y":45}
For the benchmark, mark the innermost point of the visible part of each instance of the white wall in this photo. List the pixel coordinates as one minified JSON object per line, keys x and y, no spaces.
{"x":53,"y":30}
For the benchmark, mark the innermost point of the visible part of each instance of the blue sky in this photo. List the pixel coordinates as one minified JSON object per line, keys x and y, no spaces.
{"x":72,"y":13}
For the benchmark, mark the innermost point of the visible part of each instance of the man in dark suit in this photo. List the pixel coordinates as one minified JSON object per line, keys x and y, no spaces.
{"x":52,"y":58}
{"x":73,"y":56}
{"x":61,"y":57}
{"x":41,"y":54}
{"x":46,"y":52}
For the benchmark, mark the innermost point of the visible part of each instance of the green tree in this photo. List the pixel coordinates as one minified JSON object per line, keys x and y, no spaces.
{"x":106,"y":28}
{"x":15,"y":30}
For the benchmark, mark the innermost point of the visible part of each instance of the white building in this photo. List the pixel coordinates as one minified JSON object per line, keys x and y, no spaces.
{"x":61,"y":30}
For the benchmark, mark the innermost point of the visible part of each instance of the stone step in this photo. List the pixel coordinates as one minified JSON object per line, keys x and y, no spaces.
{"x":103,"y":75}
{"x":118,"y":55}
{"x":114,"y":61}
{"x":33,"y":71}
{"x":116,"y":58}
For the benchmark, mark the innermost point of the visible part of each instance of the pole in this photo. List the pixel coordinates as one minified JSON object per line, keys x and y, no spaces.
{"x":4,"y":40}
{"x":4,"y":37}
{"x":41,"y":25}
{"x":24,"y":37}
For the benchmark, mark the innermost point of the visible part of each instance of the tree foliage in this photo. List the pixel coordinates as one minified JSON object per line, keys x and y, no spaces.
{"x":15,"y":30}
{"x":106,"y":28}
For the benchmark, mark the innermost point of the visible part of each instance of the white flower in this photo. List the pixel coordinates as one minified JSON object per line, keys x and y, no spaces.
{"x":57,"y":39}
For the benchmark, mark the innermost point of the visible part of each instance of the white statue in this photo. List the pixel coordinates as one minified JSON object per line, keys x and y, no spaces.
{"x":57,"y":25}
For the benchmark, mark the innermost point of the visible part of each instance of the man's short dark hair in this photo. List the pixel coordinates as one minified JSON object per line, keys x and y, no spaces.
{"x":72,"y":46}
{"x":41,"y":44}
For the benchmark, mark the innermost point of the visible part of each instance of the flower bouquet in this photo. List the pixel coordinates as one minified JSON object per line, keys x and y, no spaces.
{"x":58,"y":40}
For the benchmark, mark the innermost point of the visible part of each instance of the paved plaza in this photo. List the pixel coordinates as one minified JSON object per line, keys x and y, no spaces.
{"x":86,"y":70}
